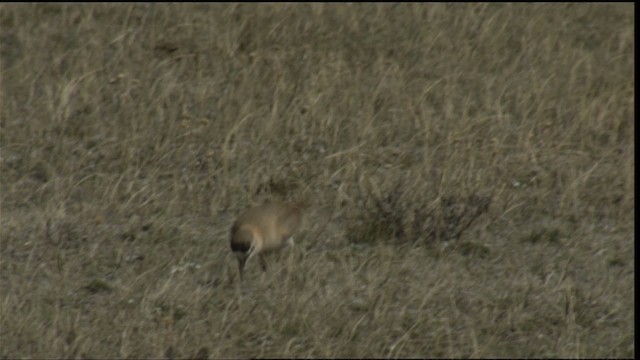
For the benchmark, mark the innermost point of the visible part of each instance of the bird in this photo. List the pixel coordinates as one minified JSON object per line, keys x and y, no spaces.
{"x":263,"y":229}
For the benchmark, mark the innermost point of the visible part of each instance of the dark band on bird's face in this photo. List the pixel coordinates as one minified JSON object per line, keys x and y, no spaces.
{"x":240,"y":247}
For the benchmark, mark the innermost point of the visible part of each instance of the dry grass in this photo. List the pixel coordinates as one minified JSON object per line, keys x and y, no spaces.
{"x":470,"y":166}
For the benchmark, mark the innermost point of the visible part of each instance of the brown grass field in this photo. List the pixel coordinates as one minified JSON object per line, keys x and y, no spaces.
{"x":470,"y":170}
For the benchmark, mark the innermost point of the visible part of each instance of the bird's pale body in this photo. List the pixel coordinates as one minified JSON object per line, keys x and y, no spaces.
{"x":264,"y":228}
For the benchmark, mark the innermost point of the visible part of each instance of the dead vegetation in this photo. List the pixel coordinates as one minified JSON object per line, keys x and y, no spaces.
{"x":399,"y":214}
{"x":470,"y":169}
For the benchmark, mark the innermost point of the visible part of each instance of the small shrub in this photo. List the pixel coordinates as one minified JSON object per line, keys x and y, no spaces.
{"x":397,"y":214}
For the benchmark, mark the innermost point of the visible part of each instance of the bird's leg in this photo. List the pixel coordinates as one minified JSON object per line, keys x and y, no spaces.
{"x":263,"y":263}
{"x":242,"y":260}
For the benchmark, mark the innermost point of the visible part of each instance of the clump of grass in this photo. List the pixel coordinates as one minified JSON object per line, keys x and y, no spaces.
{"x":451,"y":217}
{"x":96,"y":286}
{"x":473,"y":248}
{"x":550,"y":235}
{"x":399,"y":214}
{"x":381,"y":217}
